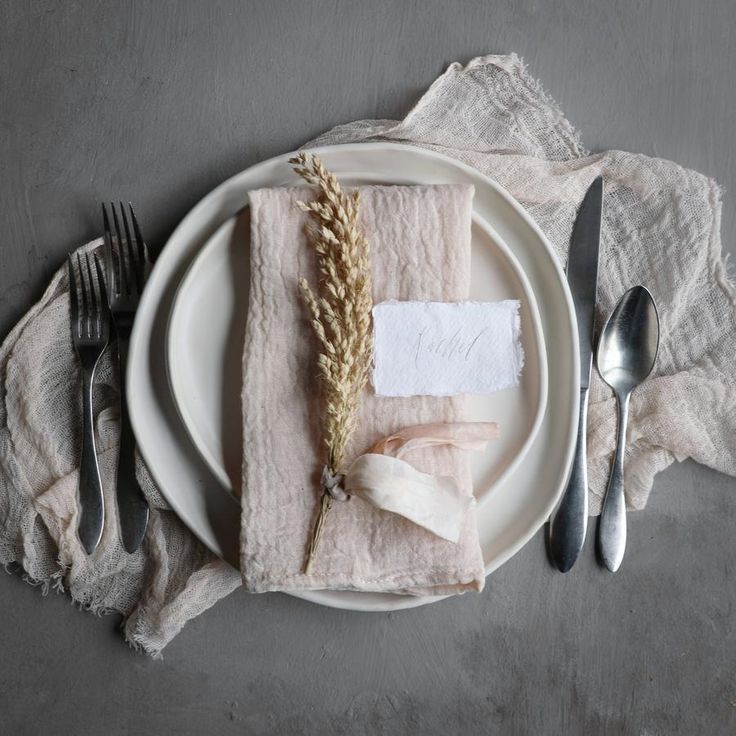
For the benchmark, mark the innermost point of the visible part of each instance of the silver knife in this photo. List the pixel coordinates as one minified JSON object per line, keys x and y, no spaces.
{"x":569,"y":522}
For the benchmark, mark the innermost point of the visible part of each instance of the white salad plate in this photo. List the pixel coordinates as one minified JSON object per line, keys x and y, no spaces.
{"x":522,"y":494}
{"x":205,"y":344}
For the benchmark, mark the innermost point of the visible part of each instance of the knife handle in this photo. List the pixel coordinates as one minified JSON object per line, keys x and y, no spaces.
{"x":132,"y":505}
{"x":570,"y":521}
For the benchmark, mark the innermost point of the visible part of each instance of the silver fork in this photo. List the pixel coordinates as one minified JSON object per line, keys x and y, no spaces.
{"x":90,"y":326}
{"x":126,"y":265}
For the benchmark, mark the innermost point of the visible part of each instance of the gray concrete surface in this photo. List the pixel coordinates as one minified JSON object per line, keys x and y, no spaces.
{"x":160,"y":101}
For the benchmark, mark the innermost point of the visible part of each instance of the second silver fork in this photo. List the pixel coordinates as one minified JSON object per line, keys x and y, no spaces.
{"x":125,"y":264}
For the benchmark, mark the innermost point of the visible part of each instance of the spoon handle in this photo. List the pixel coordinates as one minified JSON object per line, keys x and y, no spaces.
{"x":612,"y":524}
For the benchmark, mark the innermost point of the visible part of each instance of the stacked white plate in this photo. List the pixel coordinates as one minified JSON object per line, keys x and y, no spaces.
{"x":184,"y":370}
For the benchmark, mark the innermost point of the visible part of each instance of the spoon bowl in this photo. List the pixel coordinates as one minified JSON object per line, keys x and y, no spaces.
{"x":628,"y":344}
{"x":627,"y":351}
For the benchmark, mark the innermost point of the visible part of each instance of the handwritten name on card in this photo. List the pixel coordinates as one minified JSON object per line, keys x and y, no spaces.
{"x":446,"y":348}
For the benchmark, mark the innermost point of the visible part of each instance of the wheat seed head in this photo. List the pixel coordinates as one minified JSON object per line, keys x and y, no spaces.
{"x":340,"y":303}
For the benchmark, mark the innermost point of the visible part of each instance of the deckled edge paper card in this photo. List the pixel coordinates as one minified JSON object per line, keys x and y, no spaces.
{"x":446,"y":348}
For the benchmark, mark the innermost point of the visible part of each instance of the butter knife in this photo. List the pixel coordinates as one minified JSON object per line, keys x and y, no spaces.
{"x":570,"y":520}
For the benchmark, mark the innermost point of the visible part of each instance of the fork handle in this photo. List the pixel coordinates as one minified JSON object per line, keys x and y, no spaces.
{"x":132,"y":505}
{"x":91,"y":500}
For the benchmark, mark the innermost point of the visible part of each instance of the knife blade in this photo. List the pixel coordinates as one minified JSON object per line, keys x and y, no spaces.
{"x":569,"y":523}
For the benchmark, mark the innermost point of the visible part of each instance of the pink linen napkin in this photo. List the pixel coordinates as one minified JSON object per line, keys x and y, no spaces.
{"x":420,"y":249}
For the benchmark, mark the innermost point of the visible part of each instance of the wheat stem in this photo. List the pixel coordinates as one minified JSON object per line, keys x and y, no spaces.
{"x":340,"y":309}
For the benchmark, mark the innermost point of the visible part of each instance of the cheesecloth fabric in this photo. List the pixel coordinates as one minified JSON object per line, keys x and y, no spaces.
{"x":660,"y":228}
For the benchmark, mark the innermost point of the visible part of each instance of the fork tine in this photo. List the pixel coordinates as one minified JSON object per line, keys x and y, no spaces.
{"x":95,"y":299}
{"x":101,"y":281}
{"x":94,"y":295}
{"x":123,"y":285}
{"x":113,"y":282}
{"x":73,"y":296}
{"x":130,"y":254}
{"x":140,"y":247}
{"x":140,"y":244}
{"x":85,"y":313}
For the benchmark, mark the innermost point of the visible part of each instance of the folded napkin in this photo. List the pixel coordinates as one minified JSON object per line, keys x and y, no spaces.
{"x":660,"y":228}
{"x":420,"y":250}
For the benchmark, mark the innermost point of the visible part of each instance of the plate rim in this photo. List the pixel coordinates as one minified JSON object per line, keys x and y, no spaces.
{"x":213,"y":207}
{"x":229,"y":225}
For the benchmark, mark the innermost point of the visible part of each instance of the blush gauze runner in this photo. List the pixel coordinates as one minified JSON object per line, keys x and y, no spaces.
{"x":420,"y":250}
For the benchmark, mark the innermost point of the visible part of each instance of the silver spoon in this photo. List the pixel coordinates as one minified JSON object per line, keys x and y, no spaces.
{"x":627,"y":350}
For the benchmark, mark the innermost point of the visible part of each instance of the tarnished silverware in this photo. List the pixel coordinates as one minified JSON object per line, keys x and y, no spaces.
{"x":570,"y":520}
{"x":126,"y":266}
{"x":627,"y":350}
{"x":90,"y":326}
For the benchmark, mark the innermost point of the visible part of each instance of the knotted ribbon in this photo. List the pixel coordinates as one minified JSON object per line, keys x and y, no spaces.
{"x":382,"y":478}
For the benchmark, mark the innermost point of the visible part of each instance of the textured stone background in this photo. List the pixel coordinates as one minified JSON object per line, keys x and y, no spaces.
{"x":160,"y":101}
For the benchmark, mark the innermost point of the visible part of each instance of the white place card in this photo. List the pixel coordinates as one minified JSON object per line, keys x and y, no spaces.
{"x":446,"y":348}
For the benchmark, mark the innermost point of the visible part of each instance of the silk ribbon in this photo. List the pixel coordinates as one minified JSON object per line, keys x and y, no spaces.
{"x":382,"y":478}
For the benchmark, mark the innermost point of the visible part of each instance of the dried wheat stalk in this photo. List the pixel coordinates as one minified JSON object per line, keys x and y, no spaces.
{"x":341,"y":315}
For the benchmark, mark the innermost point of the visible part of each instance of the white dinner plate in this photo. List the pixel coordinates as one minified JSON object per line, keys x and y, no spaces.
{"x":205,"y":345}
{"x":521,"y":501}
